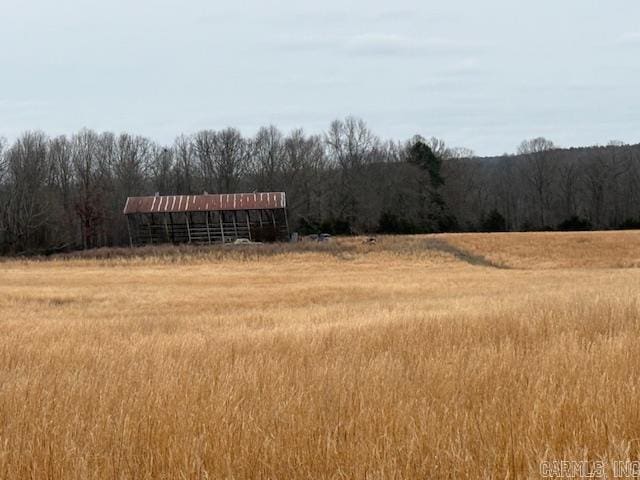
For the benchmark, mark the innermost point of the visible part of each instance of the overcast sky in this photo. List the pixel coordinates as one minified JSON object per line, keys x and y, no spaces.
{"x":483,"y":75}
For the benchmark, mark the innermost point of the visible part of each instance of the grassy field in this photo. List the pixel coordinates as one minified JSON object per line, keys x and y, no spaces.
{"x":449,"y":356}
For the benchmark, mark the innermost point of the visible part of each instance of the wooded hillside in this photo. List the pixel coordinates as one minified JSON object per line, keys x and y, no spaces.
{"x":67,"y":192}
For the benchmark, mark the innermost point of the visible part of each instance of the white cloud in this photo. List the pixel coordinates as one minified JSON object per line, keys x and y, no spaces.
{"x":168,"y":66}
{"x":306,"y":42}
{"x":382,"y":44}
{"x":630,"y":38}
{"x":467,"y":65}
{"x":375,"y":44}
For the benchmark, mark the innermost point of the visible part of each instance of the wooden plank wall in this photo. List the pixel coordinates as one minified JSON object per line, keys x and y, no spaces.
{"x":208,"y":227}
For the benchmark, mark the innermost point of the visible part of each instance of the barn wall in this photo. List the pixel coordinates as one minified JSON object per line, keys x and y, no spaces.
{"x":208,"y":227}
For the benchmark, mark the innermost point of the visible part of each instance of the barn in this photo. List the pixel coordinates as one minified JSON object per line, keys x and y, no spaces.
{"x":207,"y":218}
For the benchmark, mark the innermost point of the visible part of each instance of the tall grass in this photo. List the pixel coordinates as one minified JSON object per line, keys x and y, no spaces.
{"x":388,"y":363}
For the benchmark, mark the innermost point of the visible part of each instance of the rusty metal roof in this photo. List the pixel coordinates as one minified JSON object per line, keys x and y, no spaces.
{"x":204,"y":203}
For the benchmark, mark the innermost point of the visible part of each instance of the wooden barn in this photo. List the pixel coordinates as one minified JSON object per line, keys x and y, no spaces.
{"x":220,"y":218}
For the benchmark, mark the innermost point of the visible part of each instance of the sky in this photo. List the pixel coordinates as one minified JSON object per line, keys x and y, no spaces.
{"x":481,"y":75}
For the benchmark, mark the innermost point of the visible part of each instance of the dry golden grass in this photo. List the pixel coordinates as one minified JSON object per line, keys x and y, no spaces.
{"x":414,"y":358}
{"x":555,"y":249}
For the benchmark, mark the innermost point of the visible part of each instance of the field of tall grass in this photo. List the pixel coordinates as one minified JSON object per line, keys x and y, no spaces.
{"x":449,"y":356}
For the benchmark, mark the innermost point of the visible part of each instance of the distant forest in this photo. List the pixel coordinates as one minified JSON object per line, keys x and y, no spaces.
{"x":67,"y":192}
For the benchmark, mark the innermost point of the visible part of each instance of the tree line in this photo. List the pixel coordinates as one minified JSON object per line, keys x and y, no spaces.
{"x":67,"y":192}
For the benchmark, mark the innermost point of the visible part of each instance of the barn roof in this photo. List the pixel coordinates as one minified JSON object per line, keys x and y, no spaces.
{"x":204,"y":203}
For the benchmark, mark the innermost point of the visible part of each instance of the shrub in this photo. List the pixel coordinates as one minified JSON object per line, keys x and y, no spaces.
{"x":574,"y":223}
{"x":630,"y":224}
{"x":494,"y":222}
{"x":392,"y":223}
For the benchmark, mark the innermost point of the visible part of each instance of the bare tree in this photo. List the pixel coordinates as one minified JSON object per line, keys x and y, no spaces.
{"x":184,"y":165}
{"x":350,"y":143}
{"x":204,"y":148}
{"x":442,"y":151}
{"x":268,"y":156}
{"x":303,"y":167}
{"x":60,"y":153}
{"x":231,"y":159}
{"x":569,"y":179}
{"x":26,"y":214}
{"x":161,"y":170}
{"x":90,"y":169}
{"x":131,"y":163}
{"x":3,"y":160}
{"x":350,"y":148}
{"x":539,"y":171}
{"x":130,"y":160}
{"x":603,"y":171}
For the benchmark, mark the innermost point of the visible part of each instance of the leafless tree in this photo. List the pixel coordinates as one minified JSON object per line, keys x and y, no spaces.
{"x":60,"y":153}
{"x":204,"y":147}
{"x":303,"y":168}
{"x":90,"y":167}
{"x":268,"y":158}
{"x":350,"y":143}
{"x":25,"y":215}
{"x":603,"y":170}
{"x":231,"y":159}
{"x":539,"y":170}
{"x":569,"y":179}
{"x":162,"y":170}
{"x":443,"y":152}
{"x":3,"y":159}
{"x":184,"y":165}
{"x":131,"y":162}
{"x":351,"y":147}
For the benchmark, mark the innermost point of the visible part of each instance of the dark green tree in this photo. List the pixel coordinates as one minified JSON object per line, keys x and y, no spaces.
{"x":432,"y":207}
{"x":421,"y":155}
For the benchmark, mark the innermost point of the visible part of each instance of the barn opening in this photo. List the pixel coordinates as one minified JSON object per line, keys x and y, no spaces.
{"x":207,"y":218}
